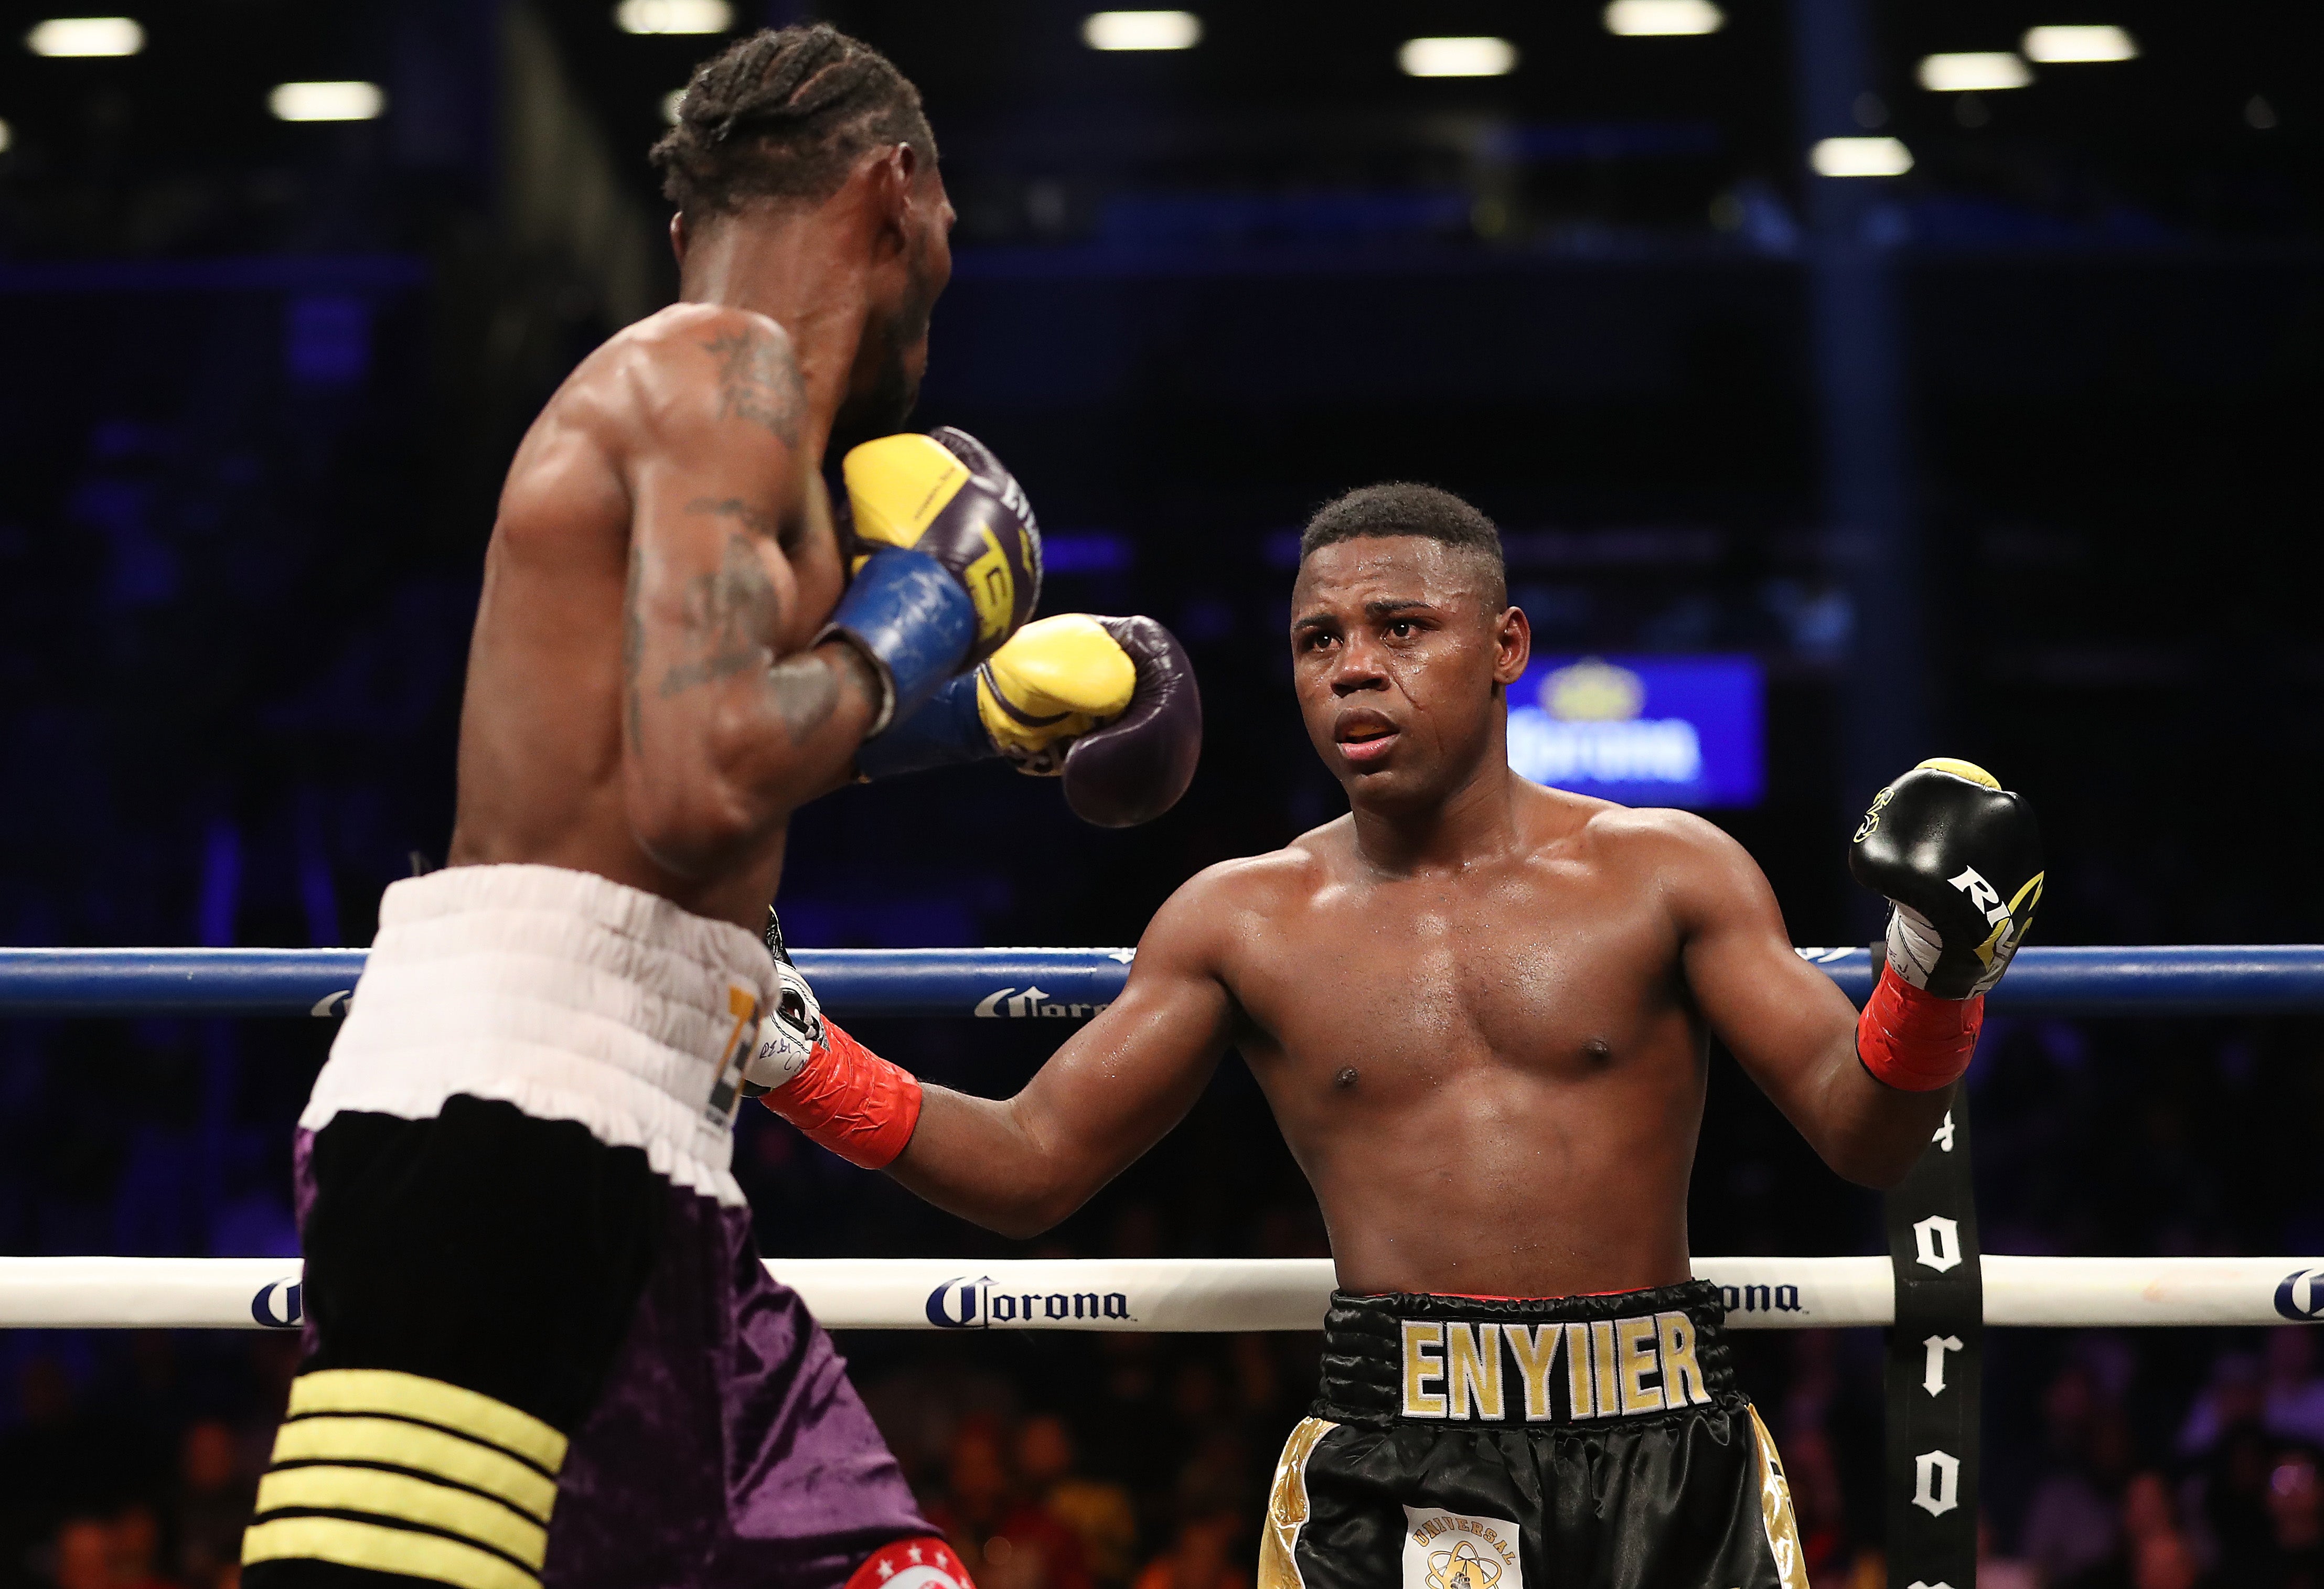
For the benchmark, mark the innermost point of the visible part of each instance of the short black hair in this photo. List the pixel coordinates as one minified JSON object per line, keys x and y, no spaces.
{"x":1400,"y":507}
{"x":784,"y":114}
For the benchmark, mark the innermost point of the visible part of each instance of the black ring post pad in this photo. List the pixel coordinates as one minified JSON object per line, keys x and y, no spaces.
{"x":1936,"y":1358}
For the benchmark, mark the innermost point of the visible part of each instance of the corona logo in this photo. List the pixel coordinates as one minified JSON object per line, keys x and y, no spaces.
{"x":1588,"y":726}
{"x":1033,"y":1004}
{"x":965,"y":1303}
{"x":276,"y":1305}
{"x":1593,"y":690}
{"x":2301,"y":1297}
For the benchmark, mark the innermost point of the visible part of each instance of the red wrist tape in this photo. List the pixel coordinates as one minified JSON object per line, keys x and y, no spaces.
{"x":1912,"y":1039}
{"x":850,"y":1100}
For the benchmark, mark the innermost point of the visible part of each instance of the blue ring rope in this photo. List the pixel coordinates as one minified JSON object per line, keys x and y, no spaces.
{"x":1068,"y":983}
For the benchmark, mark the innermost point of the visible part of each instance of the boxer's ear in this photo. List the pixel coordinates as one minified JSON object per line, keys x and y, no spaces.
{"x":678,"y":237}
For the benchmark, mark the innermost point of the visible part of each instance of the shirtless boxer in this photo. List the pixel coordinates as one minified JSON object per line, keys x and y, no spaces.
{"x":541,"y":1345}
{"x":1480,"y":1010}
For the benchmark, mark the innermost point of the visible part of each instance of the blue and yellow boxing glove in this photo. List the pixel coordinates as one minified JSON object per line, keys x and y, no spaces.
{"x":1107,"y":704}
{"x":945,"y":560}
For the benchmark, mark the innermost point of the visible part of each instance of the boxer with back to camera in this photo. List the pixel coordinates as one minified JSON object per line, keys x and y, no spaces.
{"x":1481,"y":1010}
{"x":541,"y":1347}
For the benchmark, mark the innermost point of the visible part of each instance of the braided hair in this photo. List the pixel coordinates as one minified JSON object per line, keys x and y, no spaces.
{"x":784,"y":114}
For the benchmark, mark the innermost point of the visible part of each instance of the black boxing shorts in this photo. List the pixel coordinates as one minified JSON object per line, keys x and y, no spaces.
{"x":1465,"y":1443}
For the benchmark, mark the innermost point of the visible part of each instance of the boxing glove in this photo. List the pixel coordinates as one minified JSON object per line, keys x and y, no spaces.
{"x":1960,"y":859}
{"x":1107,"y":704}
{"x":944,"y":556}
{"x":839,"y":1094}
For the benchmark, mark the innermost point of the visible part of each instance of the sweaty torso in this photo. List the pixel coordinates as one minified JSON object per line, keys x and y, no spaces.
{"x":541,"y":766}
{"x":1492,"y":1076}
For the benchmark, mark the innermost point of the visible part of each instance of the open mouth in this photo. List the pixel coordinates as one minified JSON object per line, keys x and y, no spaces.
{"x":1365,"y":739}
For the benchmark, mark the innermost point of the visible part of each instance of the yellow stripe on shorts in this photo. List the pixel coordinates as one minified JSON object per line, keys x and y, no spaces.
{"x":380,"y":1549}
{"x":332,"y":1437}
{"x":410,"y":1395}
{"x":405,"y":1499}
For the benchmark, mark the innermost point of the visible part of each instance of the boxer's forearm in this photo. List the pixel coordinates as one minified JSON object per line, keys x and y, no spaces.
{"x":1868,"y":1132}
{"x":982,"y":1160}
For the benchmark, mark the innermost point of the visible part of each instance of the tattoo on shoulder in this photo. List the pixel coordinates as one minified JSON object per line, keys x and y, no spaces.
{"x":758,"y":381}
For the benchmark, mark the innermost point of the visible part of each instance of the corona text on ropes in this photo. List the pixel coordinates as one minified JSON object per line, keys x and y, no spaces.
{"x":1033,"y":1004}
{"x":1760,"y":1299}
{"x":976,"y":1303}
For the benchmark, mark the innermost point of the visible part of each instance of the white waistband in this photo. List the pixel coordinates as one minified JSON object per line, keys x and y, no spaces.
{"x":569,"y":994}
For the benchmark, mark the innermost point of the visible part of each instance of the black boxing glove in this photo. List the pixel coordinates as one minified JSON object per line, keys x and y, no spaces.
{"x":1960,"y":859}
{"x":943,"y":557}
{"x":1108,"y":705}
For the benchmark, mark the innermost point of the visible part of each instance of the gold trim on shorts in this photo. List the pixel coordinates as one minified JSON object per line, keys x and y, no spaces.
{"x":1776,"y":1510}
{"x":1288,"y":1510}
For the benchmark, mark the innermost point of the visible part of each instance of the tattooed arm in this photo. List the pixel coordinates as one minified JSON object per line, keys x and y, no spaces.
{"x":724,"y":734}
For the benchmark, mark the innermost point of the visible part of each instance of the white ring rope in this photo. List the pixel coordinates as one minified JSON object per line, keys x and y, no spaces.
{"x":1213,"y":1294}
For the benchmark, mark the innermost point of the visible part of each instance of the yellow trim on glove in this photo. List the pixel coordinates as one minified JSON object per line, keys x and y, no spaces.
{"x":896,"y":486}
{"x":1960,"y":769}
{"x":1055,"y":680}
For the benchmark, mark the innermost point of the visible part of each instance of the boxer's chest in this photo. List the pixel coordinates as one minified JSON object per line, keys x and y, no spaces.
{"x":1535,"y":968}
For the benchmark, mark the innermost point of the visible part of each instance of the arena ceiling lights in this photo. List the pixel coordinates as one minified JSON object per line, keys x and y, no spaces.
{"x":673,"y":16}
{"x":1142,"y":29}
{"x":2062,"y":46}
{"x":86,"y":36}
{"x":1860,"y":157}
{"x":1457,"y":57}
{"x":1974,"y":72}
{"x":326,"y":102}
{"x":1644,"y":19}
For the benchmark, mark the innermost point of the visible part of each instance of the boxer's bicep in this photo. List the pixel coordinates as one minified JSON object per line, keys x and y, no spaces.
{"x":721,"y":733}
{"x":1786,"y":1024}
{"x":1792,"y":1030}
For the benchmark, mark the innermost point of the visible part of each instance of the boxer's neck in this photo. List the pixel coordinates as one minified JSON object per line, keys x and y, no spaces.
{"x":1477,"y":820}
{"x":805,"y":270}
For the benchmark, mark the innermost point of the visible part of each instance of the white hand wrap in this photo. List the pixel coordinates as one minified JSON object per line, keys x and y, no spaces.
{"x":786,"y":1036}
{"x":1913,"y":944}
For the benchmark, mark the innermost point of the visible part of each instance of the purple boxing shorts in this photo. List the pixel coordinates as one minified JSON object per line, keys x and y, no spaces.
{"x":541,"y":1348}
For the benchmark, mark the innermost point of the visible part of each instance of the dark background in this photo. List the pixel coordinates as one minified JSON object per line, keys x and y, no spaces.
{"x":2012,"y":458}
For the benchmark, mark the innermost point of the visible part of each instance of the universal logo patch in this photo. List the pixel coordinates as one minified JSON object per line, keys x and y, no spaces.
{"x":1453,"y":1550}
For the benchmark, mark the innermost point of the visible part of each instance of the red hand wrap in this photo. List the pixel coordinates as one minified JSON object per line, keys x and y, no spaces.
{"x":850,"y":1100}
{"x":1913,"y":1040}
